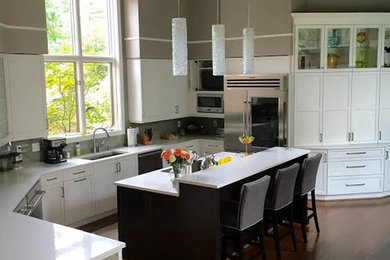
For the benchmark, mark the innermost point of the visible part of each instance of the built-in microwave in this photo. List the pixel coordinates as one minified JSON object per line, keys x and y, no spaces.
{"x":209,"y":102}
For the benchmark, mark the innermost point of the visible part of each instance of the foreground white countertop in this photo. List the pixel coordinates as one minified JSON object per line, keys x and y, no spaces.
{"x":23,"y":237}
{"x":217,"y":177}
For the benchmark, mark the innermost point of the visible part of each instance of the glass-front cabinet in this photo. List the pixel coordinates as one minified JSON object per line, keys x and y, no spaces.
{"x":309,"y":48}
{"x":338,"y":47}
{"x":386,"y":48}
{"x":4,"y":127}
{"x":366,"y":47}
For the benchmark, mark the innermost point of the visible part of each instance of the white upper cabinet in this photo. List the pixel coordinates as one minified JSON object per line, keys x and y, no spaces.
{"x":4,"y":105}
{"x":384,"y":111}
{"x":338,"y":47}
{"x":385,"y":63}
{"x":308,"y":48}
{"x":154,"y":93}
{"x":308,"y":105}
{"x":336,"y":108}
{"x":366,"y":47}
{"x":364,"y":107}
{"x":28,"y":98}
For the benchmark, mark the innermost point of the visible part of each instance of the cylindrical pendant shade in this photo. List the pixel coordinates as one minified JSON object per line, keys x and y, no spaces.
{"x":218,"y":44}
{"x":248,"y":51}
{"x":179,"y":47}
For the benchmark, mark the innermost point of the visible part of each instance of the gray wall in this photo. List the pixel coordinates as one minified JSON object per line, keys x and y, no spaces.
{"x":30,"y":13}
{"x":269,"y":17}
{"x":340,"y":5}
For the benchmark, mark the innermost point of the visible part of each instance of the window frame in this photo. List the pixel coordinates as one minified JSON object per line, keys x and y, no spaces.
{"x":114,"y":58}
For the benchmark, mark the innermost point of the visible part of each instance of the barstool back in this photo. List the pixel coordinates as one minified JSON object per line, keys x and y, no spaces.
{"x":251,"y":204}
{"x":307,"y":176}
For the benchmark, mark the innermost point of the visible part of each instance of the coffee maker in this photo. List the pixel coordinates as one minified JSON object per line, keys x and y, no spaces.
{"x":53,"y":150}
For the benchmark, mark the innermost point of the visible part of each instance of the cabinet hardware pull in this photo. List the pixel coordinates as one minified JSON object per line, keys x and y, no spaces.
{"x":354,"y":185}
{"x":63,"y":192}
{"x":380,"y":135}
{"x":52,"y":179}
{"x":77,"y":173}
{"x":355,"y":166}
{"x":355,"y":153}
{"x":321,"y":138}
{"x":120,"y":167}
{"x":349,"y":136}
{"x":325,"y":157}
{"x":353,"y":136}
{"x":116,"y":168}
{"x":386,"y":155}
{"x":83,"y":179}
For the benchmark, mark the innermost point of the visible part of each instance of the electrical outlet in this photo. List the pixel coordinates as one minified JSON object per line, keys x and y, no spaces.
{"x":19,"y":149}
{"x":35,"y":147}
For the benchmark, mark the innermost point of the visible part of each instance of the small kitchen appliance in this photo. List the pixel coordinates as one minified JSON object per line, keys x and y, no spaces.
{"x":53,"y":150}
{"x":132,"y":136}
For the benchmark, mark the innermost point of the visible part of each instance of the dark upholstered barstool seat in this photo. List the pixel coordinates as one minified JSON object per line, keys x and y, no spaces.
{"x":247,"y":213}
{"x":280,"y":198}
{"x":306,"y":183}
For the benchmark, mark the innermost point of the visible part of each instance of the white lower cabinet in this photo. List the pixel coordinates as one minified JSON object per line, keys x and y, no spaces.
{"x":387,"y":170}
{"x":53,"y":203}
{"x":106,"y":173}
{"x":210,"y":146}
{"x":355,"y":171}
{"x":79,"y":199}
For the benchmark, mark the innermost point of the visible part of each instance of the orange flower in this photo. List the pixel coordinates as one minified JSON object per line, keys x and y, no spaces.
{"x":166,"y":154}
{"x":177,"y":152}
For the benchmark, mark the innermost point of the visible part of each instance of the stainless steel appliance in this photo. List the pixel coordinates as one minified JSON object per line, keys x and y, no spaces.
{"x":53,"y":150}
{"x":31,"y":204}
{"x":149,"y":161}
{"x":255,"y":105}
{"x":209,"y":102}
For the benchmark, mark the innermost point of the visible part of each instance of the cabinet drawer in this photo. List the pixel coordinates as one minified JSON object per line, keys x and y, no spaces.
{"x":354,"y":185}
{"x":355,"y":167}
{"x":358,"y":153}
{"x":51,"y":178}
{"x":77,"y":173}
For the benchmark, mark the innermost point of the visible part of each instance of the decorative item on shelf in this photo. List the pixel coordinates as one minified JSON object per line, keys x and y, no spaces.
{"x":245,"y":140}
{"x":179,"y":44}
{"x":387,"y":56}
{"x":248,"y":46}
{"x":333,"y":60}
{"x":333,"y":40}
{"x":178,"y":158}
{"x":146,"y":138}
{"x":360,"y":59}
{"x":218,"y":45}
{"x":361,"y":37}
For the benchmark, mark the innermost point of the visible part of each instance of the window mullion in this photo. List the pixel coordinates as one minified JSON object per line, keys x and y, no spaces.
{"x":79,"y":68}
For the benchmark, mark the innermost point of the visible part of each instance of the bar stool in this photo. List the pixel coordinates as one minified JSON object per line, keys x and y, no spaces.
{"x":247,"y":213}
{"x":306,"y":182}
{"x":281,"y":198}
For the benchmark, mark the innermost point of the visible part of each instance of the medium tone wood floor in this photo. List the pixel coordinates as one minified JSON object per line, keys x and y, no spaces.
{"x":350,"y":230}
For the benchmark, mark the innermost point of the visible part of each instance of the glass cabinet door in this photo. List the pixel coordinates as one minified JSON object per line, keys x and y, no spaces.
{"x":386,"y":49}
{"x":366,"y":51}
{"x":338,"y":48}
{"x":309,"y":48}
{"x":3,"y":103}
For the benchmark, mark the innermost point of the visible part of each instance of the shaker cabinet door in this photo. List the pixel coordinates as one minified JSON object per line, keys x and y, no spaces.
{"x":53,"y":203}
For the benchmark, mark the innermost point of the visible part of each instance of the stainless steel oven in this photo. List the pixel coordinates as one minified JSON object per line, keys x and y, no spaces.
{"x":210,"y":103}
{"x":255,"y":105}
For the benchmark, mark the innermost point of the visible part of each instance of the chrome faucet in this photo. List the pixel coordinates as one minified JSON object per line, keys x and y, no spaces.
{"x":94,"y":137}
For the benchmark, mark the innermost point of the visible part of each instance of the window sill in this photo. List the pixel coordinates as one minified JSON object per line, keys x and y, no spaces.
{"x":99,"y":135}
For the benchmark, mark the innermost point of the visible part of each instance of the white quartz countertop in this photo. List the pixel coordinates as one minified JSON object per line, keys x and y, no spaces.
{"x":216,"y":177}
{"x":23,"y":237}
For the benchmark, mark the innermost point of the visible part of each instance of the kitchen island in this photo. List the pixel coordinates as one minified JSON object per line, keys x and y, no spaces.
{"x":162,"y":218}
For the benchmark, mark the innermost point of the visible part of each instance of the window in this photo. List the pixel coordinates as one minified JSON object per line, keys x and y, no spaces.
{"x":83,"y":82}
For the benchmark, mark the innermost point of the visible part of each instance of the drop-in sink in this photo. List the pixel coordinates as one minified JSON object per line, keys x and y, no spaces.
{"x":97,"y":156}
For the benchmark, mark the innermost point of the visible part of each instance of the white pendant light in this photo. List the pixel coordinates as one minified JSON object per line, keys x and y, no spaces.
{"x":218,"y":45}
{"x":248,"y":46}
{"x":179,"y":45}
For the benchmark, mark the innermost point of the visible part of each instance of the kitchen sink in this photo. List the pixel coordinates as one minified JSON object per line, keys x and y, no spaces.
{"x":97,"y":156}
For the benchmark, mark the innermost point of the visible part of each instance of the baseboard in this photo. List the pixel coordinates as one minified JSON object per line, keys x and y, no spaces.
{"x":353,"y":196}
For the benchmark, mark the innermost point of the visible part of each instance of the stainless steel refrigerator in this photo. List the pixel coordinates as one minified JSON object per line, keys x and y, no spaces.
{"x":255,"y":105}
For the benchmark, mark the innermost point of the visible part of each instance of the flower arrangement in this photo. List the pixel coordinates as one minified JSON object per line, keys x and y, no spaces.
{"x":177,"y":158}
